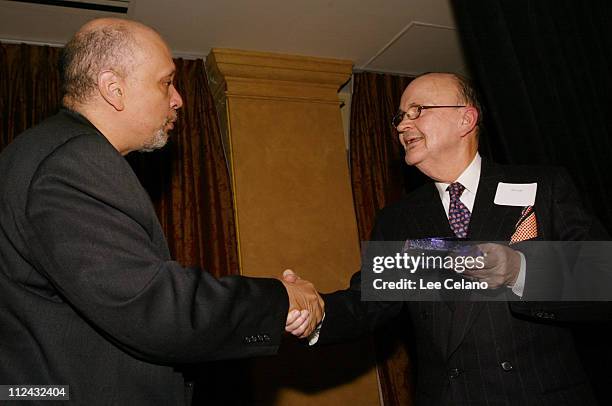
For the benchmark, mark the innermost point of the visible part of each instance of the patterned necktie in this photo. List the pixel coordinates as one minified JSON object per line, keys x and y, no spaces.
{"x":458,"y":214}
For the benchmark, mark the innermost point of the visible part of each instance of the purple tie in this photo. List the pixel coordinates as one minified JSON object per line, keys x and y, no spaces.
{"x":458,"y":214}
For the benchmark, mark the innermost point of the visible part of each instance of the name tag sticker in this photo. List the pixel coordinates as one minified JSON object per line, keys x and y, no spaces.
{"x":515,"y":194}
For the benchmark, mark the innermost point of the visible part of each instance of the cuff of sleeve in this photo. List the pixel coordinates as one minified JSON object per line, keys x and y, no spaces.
{"x":314,"y":336}
{"x":519,"y":286}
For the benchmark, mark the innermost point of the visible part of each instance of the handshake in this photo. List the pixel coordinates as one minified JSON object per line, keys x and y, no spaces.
{"x":306,"y":308}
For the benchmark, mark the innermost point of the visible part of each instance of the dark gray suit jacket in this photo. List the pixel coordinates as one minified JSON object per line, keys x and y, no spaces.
{"x":89,"y":296}
{"x":481,"y":353}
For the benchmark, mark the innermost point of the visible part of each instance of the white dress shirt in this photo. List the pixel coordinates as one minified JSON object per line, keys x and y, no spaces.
{"x":469,"y":178}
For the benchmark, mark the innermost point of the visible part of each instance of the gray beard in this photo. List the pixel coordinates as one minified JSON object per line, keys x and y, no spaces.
{"x":157,"y":141}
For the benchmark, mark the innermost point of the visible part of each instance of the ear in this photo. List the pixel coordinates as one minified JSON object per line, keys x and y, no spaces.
{"x":469,"y":119}
{"x":111,"y":87}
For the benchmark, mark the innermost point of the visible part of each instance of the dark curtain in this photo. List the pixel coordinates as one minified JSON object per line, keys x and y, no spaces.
{"x":376,"y":155}
{"x":188,"y":180}
{"x":544,"y":68}
{"x":29,"y":87}
{"x":379,"y":176}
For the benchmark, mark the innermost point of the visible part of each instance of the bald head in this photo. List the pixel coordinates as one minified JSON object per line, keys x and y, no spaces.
{"x":99,"y":45}
{"x":461,"y":86}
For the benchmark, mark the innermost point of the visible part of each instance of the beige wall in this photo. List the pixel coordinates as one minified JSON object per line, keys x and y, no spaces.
{"x":294,"y":206}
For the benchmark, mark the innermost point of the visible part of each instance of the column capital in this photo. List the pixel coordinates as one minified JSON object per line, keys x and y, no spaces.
{"x":272,"y":75}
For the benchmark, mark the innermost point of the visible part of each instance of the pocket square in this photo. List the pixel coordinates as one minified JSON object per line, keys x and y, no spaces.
{"x":527,"y":226}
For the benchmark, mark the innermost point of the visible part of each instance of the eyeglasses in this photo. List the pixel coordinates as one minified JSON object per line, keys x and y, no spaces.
{"x":414,"y":112}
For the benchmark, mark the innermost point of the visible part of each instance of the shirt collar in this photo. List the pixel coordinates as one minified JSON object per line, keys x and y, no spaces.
{"x":469,"y":178}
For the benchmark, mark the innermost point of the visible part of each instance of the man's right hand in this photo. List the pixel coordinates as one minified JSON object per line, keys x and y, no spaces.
{"x":306,"y":307}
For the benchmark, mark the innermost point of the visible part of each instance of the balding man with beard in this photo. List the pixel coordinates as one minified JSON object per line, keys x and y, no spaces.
{"x":89,"y":295}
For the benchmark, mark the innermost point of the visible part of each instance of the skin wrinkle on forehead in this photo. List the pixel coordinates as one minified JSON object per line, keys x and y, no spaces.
{"x":437,"y":92}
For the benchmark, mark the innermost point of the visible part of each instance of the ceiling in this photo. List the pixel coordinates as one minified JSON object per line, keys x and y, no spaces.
{"x":396,"y":36}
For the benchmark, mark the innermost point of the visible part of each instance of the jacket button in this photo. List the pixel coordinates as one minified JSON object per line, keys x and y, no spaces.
{"x":454,"y":373}
{"x":543,"y":315}
{"x":506,"y":366}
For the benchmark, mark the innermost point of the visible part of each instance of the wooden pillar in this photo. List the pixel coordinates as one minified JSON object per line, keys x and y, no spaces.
{"x":293,"y":205}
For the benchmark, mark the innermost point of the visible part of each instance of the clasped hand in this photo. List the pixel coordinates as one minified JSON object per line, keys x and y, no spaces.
{"x":306,"y":307}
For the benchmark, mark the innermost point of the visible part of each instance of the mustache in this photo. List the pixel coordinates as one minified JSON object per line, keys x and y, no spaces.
{"x":411,"y":133}
{"x":172,"y":119}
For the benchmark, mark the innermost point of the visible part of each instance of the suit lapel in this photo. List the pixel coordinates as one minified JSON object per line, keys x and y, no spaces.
{"x":489,"y":222}
{"x":427,"y":218}
{"x":430,"y":218}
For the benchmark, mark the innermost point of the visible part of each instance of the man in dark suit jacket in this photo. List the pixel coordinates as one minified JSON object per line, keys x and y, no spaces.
{"x":473,"y":353}
{"x":89,"y":295}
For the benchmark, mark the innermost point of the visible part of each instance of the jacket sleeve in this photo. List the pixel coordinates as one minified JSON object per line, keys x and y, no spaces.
{"x":569,"y":222}
{"x":92,"y":232}
{"x":347,"y":317}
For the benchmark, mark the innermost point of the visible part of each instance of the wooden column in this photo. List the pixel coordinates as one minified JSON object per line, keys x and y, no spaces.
{"x":293,"y":205}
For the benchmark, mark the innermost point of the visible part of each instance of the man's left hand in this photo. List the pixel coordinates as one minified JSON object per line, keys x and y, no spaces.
{"x":501,"y":266}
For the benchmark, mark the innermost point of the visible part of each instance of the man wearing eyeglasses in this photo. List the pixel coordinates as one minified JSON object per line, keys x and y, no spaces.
{"x":473,"y":353}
